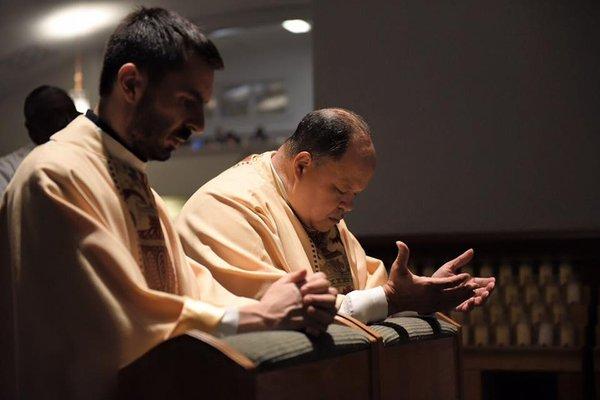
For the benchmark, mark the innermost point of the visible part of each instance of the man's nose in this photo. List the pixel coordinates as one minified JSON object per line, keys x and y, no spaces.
{"x":347,"y":204}
{"x":196,"y":121}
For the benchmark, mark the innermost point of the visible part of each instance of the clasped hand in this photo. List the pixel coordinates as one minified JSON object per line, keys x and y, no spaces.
{"x":300,"y":302}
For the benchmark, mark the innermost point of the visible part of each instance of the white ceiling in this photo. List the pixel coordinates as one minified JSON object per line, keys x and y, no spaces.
{"x":24,"y":54}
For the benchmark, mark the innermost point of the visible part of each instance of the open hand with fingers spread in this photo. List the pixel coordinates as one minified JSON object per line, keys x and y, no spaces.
{"x":483,"y":286}
{"x":406,"y":291}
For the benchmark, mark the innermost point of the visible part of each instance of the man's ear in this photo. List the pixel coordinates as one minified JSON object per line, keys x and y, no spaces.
{"x":302,"y":161}
{"x":131,"y":82}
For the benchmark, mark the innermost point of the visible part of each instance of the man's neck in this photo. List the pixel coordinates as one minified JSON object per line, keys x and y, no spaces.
{"x":112,"y":114}
{"x":283,"y":168}
{"x":113,"y":123}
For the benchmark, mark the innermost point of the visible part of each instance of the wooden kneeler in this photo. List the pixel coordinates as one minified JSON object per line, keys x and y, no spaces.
{"x":338,"y":365}
{"x":419,"y":363}
{"x":424,"y":364}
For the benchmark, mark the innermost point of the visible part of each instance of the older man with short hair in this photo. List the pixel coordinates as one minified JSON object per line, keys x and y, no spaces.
{"x":283,"y":211}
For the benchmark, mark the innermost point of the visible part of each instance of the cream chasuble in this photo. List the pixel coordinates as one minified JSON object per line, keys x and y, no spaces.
{"x":92,"y":272}
{"x":241,"y":226}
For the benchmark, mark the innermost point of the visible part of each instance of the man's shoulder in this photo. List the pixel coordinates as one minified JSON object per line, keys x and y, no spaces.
{"x":52,"y":154}
{"x":245,"y":180}
{"x":55,"y":161}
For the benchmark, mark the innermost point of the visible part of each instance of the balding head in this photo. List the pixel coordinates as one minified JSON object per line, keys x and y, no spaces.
{"x":329,"y":132}
{"x":324,"y":165}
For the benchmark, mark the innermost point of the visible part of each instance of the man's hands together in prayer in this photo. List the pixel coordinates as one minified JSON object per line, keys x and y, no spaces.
{"x":294,"y":301}
{"x":445,"y":290}
{"x":318,"y":300}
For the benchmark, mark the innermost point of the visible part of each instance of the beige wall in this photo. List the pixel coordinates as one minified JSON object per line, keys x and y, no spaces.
{"x":484,"y":113}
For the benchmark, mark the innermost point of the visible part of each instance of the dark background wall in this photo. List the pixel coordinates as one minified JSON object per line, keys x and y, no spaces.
{"x":485,"y":113}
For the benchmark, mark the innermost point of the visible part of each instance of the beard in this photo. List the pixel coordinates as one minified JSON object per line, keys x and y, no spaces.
{"x":150,"y":128}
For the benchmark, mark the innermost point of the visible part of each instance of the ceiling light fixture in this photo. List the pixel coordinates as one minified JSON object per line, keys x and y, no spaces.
{"x":296,"y":25}
{"x":80,"y":19}
{"x":225,"y":32}
{"x":82,"y":104}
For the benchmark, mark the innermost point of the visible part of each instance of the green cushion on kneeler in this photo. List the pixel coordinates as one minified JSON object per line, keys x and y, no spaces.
{"x":397,"y":330}
{"x":282,"y":348}
{"x":446,"y":328}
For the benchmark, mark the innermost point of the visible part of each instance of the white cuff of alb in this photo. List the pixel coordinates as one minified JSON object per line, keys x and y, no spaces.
{"x":366,"y":305}
{"x":229,"y":323}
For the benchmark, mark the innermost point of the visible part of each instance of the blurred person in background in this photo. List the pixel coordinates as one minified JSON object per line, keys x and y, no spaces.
{"x":47,"y":109}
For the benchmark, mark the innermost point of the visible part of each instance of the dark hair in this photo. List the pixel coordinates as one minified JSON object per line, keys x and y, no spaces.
{"x":326,"y":133}
{"x":47,"y":110}
{"x":155,"y":40}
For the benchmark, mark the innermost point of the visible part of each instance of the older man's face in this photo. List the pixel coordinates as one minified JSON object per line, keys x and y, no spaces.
{"x":325,"y":191}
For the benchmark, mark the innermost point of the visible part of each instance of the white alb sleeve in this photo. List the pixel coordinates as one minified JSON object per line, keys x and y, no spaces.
{"x":229,"y":323}
{"x":367,"y":305}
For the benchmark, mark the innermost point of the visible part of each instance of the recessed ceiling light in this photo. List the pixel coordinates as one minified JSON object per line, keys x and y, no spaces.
{"x":80,"y":19}
{"x":296,"y":25}
{"x":225,"y":32}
